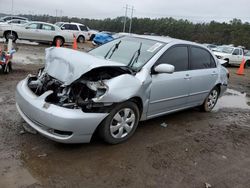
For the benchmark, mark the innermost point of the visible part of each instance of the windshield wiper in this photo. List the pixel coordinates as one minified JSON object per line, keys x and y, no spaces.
{"x":115,"y":46}
{"x":135,"y":56}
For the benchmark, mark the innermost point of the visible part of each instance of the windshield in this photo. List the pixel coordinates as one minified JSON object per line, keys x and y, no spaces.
{"x":130,"y":51}
{"x":59,"y":24}
{"x":248,"y":53}
{"x":225,"y":49}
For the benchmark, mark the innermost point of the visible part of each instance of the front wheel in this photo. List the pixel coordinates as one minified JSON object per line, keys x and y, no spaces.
{"x":211,"y":100}
{"x":11,"y":35}
{"x":120,"y":124}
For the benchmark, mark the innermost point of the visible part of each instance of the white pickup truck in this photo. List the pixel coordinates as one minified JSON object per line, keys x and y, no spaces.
{"x":232,"y":55}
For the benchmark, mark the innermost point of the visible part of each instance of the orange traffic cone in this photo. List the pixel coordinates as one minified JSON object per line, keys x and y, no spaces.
{"x":241,"y":69}
{"x":74,"y":43}
{"x":57,"y":43}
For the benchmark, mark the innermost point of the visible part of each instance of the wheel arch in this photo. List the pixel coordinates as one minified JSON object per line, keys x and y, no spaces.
{"x":5,"y":32}
{"x":81,"y":35}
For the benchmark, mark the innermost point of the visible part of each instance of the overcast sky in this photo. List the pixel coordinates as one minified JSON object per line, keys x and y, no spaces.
{"x":193,"y":10}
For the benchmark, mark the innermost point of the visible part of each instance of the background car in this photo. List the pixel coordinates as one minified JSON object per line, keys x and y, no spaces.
{"x":7,"y":18}
{"x":79,"y":30}
{"x":232,"y":55}
{"x":210,"y":46}
{"x":103,"y":37}
{"x":14,"y":22}
{"x":36,"y":31}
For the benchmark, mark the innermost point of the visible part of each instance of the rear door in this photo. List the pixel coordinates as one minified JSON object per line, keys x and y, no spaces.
{"x":71,"y":28}
{"x":203,"y":74}
{"x":47,"y":32}
{"x":170,"y":92}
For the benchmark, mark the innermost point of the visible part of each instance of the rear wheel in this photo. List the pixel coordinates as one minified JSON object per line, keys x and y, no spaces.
{"x":120,"y":124}
{"x":60,"y":40}
{"x":211,"y":100}
{"x":81,"y":39}
{"x":92,"y":37}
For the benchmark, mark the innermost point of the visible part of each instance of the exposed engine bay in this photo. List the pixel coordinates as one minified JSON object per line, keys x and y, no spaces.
{"x":80,"y":93}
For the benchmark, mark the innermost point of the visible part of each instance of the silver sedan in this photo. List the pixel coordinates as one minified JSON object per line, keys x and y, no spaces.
{"x":113,"y":87}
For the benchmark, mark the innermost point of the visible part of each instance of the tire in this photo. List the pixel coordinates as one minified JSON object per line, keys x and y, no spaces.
{"x":92,"y":37}
{"x":61,"y":41}
{"x":12,"y":36}
{"x":211,"y":100}
{"x":115,"y":129}
{"x":7,"y":68}
{"x":81,"y":39}
{"x":227,"y":63}
{"x":247,"y":64}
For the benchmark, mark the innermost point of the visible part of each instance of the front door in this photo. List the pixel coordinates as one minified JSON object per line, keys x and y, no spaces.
{"x":30,"y":31}
{"x":169,"y":92}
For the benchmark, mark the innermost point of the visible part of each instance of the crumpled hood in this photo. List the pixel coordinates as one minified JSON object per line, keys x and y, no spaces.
{"x":68,"y":65}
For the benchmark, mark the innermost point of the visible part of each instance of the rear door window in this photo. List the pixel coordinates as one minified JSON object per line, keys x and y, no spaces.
{"x":83,"y":28}
{"x":201,"y":59}
{"x":73,"y":27}
{"x":33,"y":26}
{"x":176,"y":56}
{"x":48,"y":27}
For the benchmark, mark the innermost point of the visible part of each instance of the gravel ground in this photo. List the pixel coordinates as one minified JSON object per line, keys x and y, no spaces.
{"x":194,"y":148}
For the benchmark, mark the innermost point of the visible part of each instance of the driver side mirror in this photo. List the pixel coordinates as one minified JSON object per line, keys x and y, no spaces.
{"x":164,"y":68}
{"x":62,"y":28}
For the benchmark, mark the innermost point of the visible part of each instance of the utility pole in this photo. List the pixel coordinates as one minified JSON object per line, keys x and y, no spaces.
{"x":125,"y":18}
{"x":56,"y":15}
{"x":131,"y":18}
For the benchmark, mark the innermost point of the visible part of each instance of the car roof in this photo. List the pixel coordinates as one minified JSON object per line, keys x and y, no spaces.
{"x":70,"y":23}
{"x":41,"y":23}
{"x":167,"y":39}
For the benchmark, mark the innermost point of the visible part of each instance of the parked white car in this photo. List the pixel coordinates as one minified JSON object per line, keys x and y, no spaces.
{"x":79,"y":30}
{"x":7,"y":18}
{"x":36,"y":31}
{"x":232,"y":55}
{"x":14,"y":22}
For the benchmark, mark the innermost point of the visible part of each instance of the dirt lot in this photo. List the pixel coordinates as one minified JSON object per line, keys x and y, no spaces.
{"x":195,"y":148}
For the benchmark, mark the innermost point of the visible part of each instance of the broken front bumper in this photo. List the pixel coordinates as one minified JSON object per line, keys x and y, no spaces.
{"x":54,"y":122}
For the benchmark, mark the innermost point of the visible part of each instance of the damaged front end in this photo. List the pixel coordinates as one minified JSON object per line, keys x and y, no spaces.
{"x":84,"y":93}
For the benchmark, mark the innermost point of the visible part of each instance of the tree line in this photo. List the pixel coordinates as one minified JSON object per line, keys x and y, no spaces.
{"x":235,"y":32}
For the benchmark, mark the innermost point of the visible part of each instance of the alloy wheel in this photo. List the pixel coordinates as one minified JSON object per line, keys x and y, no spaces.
{"x":122,"y":123}
{"x":212,"y":99}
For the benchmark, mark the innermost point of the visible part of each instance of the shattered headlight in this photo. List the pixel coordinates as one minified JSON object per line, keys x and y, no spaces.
{"x":99,"y":87}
